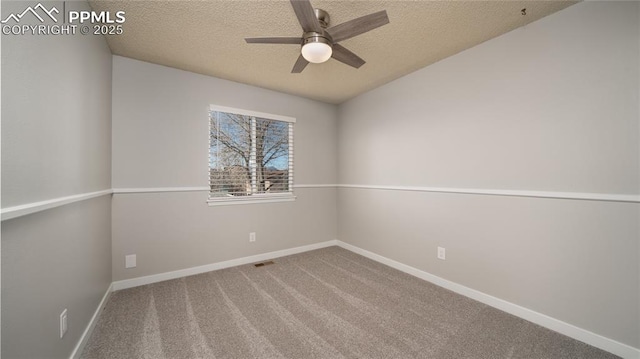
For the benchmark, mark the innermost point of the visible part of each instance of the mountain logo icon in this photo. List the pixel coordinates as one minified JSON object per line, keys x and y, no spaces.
{"x":34,"y":11}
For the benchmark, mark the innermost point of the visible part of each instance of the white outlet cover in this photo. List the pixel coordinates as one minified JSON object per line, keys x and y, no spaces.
{"x":441,"y":253}
{"x":252,"y":237}
{"x":130,"y":261}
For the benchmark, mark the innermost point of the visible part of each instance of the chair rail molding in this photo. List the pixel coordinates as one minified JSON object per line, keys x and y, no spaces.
{"x":29,"y":208}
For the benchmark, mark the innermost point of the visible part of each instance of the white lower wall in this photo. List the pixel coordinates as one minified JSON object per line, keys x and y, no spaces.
{"x":575,"y":261}
{"x":555,"y":324}
{"x":572,"y":331}
{"x":53,"y":260}
{"x":174,"y":231}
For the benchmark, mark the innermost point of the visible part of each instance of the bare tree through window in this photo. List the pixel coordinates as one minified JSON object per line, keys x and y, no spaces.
{"x":248,"y":155}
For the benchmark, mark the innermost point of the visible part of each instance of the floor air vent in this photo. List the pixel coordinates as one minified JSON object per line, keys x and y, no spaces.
{"x":263,"y":264}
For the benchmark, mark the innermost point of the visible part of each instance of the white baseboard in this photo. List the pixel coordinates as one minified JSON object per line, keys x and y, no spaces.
{"x":92,"y":324}
{"x":596,"y":340}
{"x":135,"y":282}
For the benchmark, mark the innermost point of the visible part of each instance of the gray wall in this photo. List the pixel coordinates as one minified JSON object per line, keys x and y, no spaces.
{"x":56,"y":142}
{"x":160,"y":139}
{"x":552,"y":106}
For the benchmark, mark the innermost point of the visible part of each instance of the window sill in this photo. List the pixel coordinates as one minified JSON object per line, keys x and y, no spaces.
{"x":251,"y":200}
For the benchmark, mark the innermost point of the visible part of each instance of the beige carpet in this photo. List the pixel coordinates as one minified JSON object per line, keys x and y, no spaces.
{"x":328,"y":303}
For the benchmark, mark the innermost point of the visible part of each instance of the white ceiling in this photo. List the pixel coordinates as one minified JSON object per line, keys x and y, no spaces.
{"x":207,"y":37}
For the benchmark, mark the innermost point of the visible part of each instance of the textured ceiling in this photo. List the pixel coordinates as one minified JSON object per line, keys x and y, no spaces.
{"x":207,"y":37}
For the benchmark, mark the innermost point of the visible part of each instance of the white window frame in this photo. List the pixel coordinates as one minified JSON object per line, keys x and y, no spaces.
{"x":261,"y":197}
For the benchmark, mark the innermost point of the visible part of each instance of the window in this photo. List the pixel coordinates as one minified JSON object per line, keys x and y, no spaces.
{"x":250,"y":156}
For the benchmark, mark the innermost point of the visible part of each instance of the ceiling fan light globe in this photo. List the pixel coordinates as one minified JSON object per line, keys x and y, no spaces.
{"x":316,"y":52}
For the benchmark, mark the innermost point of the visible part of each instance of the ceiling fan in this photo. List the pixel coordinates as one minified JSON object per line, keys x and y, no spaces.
{"x":319,"y":42}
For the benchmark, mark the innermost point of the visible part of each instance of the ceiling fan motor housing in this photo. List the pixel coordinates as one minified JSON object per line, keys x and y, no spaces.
{"x":312,"y":36}
{"x":322,"y":37}
{"x":323,"y":17}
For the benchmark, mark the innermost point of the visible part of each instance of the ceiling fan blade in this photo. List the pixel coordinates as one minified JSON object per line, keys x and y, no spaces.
{"x":343,"y":55}
{"x":301,"y":63}
{"x":355,"y":27}
{"x":274,"y":40}
{"x":306,"y":15}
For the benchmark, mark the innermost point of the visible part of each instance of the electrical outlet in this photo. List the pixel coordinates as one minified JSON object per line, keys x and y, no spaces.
{"x":63,"y":323}
{"x":441,"y":253}
{"x":252,"y":237}
{"x":130,"y":261}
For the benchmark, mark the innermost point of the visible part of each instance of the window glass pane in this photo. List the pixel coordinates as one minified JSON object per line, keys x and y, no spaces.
{"x":230,"y":147}
{"x":272,"y":156}
{"x":249,"y":156}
